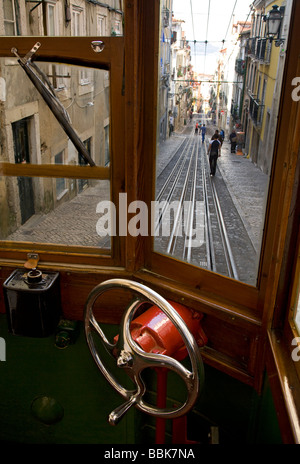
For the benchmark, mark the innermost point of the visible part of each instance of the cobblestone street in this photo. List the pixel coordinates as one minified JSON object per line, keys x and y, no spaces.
{"x":72,"y":223}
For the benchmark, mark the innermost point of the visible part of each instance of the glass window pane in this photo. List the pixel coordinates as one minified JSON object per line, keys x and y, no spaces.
{"x":9,"y":17}
{"x":9,"y":28}
{"x":56,"y":211}
{"x":60,"y":183}
{"x":216,"y":79}
{"x":51,"y":20}
{"x":80,"y":110}
{"x":295,"y":304}
{"x":8,"y":10}
{"x":297,"y":311}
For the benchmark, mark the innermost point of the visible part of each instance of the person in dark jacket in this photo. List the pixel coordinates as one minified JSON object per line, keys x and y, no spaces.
{"x":218,"y":135}
{"x":214,"y":152}
{"x":203,"y":132}
{"x":233,"y":139}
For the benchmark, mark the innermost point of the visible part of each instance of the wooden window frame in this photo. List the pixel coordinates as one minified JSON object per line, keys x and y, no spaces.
{"x":111,"y":59}
{"x":283,"y":370}
{"x":248,"y":308}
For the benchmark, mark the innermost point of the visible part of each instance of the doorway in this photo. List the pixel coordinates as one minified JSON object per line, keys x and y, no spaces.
{"x":22,"y":155}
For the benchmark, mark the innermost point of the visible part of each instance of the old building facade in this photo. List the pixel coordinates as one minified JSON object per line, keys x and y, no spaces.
{"x":264,"y":73}
{"x":30,"y":133}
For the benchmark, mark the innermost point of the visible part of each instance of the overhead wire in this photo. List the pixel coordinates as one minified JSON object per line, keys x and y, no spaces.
{"x":230,"y":19}
{"x":192,"y":16}
{"x":206,"y":42}
{"x":207,"y":23}
{"x":228,"y":58}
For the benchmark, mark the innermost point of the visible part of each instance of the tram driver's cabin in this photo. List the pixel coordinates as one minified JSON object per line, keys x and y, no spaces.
{"x":149,"y":223}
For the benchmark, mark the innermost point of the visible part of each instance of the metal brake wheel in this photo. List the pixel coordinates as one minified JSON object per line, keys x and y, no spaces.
{"x":130,"y":357}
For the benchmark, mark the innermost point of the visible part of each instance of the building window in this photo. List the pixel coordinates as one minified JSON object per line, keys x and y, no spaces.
{"x":250,"y":77}
{"x":85,"y":76}
{"x":106,"y":148}
{"x":297,"y":309}
{"x":117,"y":28}
{"x":60,"y":76}
{"x":263,"y":94}
{"x":78,"y":29}
{"x":253,"y":80}
{"x":258,"y":86}
{"x":60,"y":182}
{"x":51,"y":21}
{"x":101,"y":25}
{"x":9,"y":14}
{"x":83,"y":183}
{"x":295,"y":298}
{"x":77,"y":21}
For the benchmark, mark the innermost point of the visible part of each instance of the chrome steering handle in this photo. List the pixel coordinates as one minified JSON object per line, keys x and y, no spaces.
{"x":130,"y":357}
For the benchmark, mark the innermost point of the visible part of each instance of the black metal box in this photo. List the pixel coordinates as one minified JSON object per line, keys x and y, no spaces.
{"x":32,"y":302}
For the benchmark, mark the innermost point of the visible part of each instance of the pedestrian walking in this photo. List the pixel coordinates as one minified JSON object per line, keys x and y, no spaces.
{"x":203,"y":131}
{"x":218,"y":135}
{"x":213,"y":151}
{"x":233,"y":140}
{"x":171,"y":125}
{"x":196,"y":128}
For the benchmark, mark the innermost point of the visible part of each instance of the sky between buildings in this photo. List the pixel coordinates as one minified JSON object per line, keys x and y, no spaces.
{"x":211,"y":21}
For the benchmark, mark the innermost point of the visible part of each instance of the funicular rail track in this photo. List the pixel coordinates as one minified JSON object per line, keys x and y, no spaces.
{"x":189,"y":223}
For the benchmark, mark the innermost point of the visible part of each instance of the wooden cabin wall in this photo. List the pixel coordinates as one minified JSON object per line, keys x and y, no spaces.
{"x":237,"y":358}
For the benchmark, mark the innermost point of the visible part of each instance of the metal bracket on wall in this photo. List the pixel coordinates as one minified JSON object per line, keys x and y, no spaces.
{"x":32,"y":260}
{"x":44,"y":87}
{"x":34,"y":1}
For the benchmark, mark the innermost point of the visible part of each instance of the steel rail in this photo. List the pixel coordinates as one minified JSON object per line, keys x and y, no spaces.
{"x":232,"y":270}
{"x":192,"y":209}
{"x":179,"y":166}
{"x":210,"y":251}
{"x":178,"y":216}
{"x":193,"y":168}
{"x":211,"y":261}
{"x":163,"y":188}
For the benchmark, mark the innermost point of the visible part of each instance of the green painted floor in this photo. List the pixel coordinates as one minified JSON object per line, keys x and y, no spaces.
{"x":35,"y":368}
{"x":81,"y":400}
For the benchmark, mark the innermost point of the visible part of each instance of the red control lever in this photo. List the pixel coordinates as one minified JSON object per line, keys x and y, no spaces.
{"x":155,"y":333}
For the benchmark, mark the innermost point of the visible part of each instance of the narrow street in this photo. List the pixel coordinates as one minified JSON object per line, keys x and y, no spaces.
{"x":242,"y":189}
